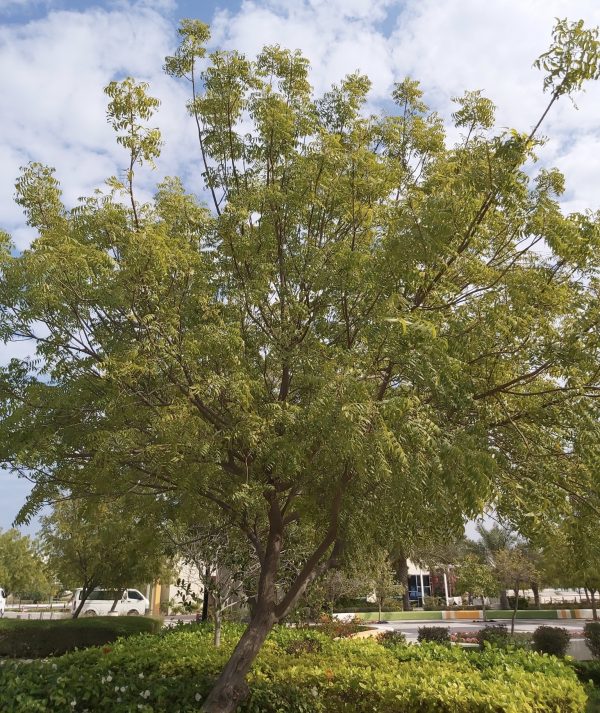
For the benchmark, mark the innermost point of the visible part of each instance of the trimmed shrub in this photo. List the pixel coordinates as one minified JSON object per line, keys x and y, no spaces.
{"x":174,"y":671}
{"x":391,"y":638}
{"x":523,"y":603}
{"x":496,"y":635}
{"x":588,"y":671}
{"x":591,"y":633}
{"x":552,"y":640}
{"x":434,"y":634}
{"x":22,"y":638}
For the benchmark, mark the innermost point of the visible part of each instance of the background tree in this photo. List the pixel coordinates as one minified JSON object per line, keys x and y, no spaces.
{"x":514,"y":569}
{"x":223,"y":562}
{"x":361,"y":324}
{"x":94,"y":544}
{"x":22,"y":569}
{"x":571,"y":554}
{"x":491,"y":541}
{"x":334,"y":585}
{"x":478,"y":579}
{"x":442,"y":554}
{"x":383,"y":580}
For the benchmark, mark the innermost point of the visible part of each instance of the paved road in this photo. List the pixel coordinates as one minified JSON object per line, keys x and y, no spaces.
{"x":410,"y":628}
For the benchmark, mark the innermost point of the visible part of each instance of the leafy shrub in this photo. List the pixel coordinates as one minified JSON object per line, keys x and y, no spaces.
{"x":21,"y":638}
{"x":434,"y":603}
{"x":391,"y":638}
{"x":552,"y":640}
{"x":591,"y":633}
{"x":587,"y":671}
{"x":435,"y":634}
{"x":496,"y":635}
{"x":360,"y":604}
{"x":176,"y":669}
{"x":337,"y":628}
{"x":523,"y":603}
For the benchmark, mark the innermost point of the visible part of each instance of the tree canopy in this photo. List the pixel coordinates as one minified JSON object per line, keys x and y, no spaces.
{"x":91,"y":544}
{"x":366,"y":329}
{"x":22,"y":569}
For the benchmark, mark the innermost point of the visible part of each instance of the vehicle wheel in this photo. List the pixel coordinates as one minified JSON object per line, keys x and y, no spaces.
{"x":133,"y":612}
{"x":89,"y":612}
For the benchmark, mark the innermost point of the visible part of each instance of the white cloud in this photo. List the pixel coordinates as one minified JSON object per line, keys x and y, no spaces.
{"x":448,"y":45}
{"x":54,"y":70}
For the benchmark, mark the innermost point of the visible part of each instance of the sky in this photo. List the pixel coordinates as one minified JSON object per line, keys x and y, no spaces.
{"x":57,"y":55}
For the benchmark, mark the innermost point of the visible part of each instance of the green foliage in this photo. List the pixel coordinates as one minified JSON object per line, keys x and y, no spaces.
{"x":337,"y":628}
{"x":93,"y":543}
{"x":573,"y":58}
{"x":41,"y":638}
{"x":496,"y":635}
{"x":358,"y":339}
{"x":298,"y":672}
{"x":571,"y":551}
{"x":514,"y":568}
{"x":434,"y":634}
{"x":391,"y":638}
{"x":591,"y":632}
{"x":587,"y":671}
{"x":128,"y":102}
{"x":22,"y":569}
{"x":552,"y":640}
{"x":522,"y":603}
{"x":477,"y":578}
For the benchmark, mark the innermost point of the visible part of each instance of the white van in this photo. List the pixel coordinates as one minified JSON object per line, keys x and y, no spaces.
{"x":2,"y":601}
{"x":130,"y":601}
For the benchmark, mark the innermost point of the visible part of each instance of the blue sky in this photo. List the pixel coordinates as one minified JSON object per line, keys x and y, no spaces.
{"x":57,"y":55}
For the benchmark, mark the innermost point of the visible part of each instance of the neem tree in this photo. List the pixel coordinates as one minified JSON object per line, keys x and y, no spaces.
{"x":360,"y":334}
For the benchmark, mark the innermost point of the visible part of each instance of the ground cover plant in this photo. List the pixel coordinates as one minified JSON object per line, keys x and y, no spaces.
{"x":298,"y":670}
{"x":40,"y":638}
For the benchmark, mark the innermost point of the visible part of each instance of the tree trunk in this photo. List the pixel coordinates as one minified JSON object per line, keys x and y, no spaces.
{"x":535,"y":588}
{"x":218,"y":619}
{"x":205,"y":595}
{"x":504,"y":600}
{"x":85,"y":593}
{"x":483,"y":608}
{"x":379,"y":607}
{"x":231,"y":687}
{"x":114,"y":604}
{"x":594,"y":609}
{"x":514,"y":616}
{"x":401,"y":566}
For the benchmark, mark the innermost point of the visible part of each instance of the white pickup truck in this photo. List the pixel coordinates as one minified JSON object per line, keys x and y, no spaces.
{"x":2,"y":601}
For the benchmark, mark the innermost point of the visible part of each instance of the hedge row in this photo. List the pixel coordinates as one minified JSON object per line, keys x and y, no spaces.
{"x":22,"y":638}
{"x":298,"y":671}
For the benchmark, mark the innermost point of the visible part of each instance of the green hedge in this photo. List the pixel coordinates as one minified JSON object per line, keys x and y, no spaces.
{"x":298,"y":671}
{"x":22,"y":638}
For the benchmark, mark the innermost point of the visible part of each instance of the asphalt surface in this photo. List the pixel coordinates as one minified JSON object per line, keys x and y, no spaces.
{"x":410,"y":628}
